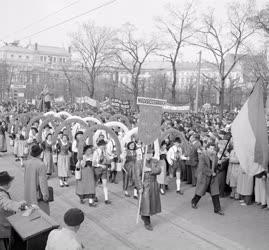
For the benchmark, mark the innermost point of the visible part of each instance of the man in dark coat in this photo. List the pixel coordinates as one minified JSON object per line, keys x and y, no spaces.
{"x":149,"y":189}
{"x":207,"y":179}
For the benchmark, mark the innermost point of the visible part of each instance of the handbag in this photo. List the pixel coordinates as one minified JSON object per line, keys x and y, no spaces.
{"x":78,"y":173}
{"x":51,"y":194}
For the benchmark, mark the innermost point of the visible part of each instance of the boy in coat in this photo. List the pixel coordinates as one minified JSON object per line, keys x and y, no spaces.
{"x":207,"y":179}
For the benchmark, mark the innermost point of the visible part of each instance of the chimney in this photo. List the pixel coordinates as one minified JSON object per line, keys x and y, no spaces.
{"x":36,"y":46}
{"x":69,"y":50}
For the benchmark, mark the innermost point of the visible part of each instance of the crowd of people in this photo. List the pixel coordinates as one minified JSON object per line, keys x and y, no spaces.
{"x":198,"y":150}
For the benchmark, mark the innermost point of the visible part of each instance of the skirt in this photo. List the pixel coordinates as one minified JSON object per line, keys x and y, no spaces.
{"x":3,"y":143}
{"x":232,"y":174}
{"x":63,"y":165}
{"x":86,"y":186}
{"x":245,"y":184}
{"x":162,"y":177}
{"x":47,"y":159}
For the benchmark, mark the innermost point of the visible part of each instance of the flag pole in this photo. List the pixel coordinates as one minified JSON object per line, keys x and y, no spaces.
{"x":143,"y":175}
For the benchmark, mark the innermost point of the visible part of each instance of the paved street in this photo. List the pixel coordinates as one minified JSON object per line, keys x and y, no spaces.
{"x":177,"y":227}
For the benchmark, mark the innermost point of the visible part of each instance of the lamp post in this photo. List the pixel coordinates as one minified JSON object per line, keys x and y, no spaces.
{"x":198,"y":83}
{"x":81,"y":86}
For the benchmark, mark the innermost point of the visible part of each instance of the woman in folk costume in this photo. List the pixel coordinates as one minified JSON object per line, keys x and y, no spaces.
{"x":64,"y":151}
{"x":149,"y":188}
{"x":129,"y":158}
{"x":7,"y":208}
{"x":47,"y":154}
{"x":232,"y":174}
{"x":74,"y":158}
{"x":245,"y":186}
{"x":85,"y":187}
{"x":3,"y":141}
{"x":32,"y":140}
{"x":162,"y":177}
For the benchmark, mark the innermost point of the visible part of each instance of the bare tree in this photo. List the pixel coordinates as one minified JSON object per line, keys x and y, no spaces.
{"x":261,"y":19}
{"x":94,"y":46}
{"x":178,"y":30}
{"x":131,"y":54}
{"x":231,"y":90}
{"x":226,"y":41}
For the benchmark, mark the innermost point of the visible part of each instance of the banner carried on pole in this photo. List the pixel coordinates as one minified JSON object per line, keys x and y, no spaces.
{"x":150,"y":118}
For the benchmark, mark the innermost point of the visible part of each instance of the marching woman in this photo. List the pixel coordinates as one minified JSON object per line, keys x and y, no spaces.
{"x":128,"y":167}
{"x":63,"y":164}
{"x":85,"y":186}
{"x":3,"y":141}
{"x":162,"y":177}
{"x":47,"y":154}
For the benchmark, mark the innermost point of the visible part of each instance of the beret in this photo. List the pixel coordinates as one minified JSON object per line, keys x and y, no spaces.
{"x":73,"y":217}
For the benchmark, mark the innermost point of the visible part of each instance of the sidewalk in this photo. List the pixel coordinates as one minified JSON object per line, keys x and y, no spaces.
{"x":177,"y":227}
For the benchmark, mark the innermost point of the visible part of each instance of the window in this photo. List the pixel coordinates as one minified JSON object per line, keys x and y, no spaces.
{"x":27,"y":57}
{"x":54,"y":59}
{"x":20,"y":56}
{"x":45,"y":58}
{"x":63,"y":60}
{"x":60,"y":60}
{"x":11,"y":55}
{"x":41,"y":58}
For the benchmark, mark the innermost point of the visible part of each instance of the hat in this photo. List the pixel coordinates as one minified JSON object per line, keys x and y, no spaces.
{"x":86,"y":148}
{"x":129,"y":144}
{"x":73,"y":217}
{"x":36,"y":150}
{"x":5,"y":178}
{"x":35,"y":129}
{"x":101,"y":143}
{"x":177,"y":139}
{"x":78,"y":133}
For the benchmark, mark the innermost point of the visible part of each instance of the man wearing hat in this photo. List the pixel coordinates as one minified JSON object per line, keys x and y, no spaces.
{"x":35,"y":180}
{"x":66,"y":238}
{"x":7,"y":208}
{"x":99,"y":161}
{"x":149,"y":188}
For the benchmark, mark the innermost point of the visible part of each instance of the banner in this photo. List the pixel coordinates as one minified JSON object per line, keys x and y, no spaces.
{"x":171,"y":108}
{"x":150,"y":117}
{"x":86,"y":100}
{"x":119,"y":105}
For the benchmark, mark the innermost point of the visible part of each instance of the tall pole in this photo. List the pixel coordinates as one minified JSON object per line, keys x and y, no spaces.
{"x":198,"y":83}
{"x":81,"y":86}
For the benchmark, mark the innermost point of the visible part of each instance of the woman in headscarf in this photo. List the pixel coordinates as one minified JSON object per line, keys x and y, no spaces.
{"x":3,"y":141}
{"x":47,"y":154}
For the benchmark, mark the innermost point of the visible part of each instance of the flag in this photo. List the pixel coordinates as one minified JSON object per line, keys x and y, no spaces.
{"x":249,"y":134}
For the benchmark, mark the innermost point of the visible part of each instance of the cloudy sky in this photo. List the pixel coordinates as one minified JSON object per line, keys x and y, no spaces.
{"x":19,"y":19}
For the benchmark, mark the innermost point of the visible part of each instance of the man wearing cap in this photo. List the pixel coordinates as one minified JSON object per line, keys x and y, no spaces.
{"x":35,"y":180}
{"x":7,"y":208}
{"x":99,"y":161}
{"x":66,"y":238}
{"x":174,"y":156}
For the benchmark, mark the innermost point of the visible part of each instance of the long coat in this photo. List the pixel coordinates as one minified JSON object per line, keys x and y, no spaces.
{"x":3,"y":141}
{"x":7,"y":208}
{"x":150,"y":201}
{"x":205,"y":180}
{"x":35,"y":183}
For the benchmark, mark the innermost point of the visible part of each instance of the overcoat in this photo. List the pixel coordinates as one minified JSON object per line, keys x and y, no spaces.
{"x":205,"y":181}
{"x":150,"y":201}
{"x":36,"y":183}
{"x":3,"y":141}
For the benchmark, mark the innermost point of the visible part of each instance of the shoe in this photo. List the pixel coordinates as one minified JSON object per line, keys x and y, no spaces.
{"x":66,"y":184}
{"x":180,"y":192}
{"x":95,"y":199}
{"x":263,"y":206}
{"x":127,"y":195}
{"x":92,"y":205}
{"x":115,"y":182}
{"x":162,"y":192}
{"x":82,"y":201}
{"x":194,"y":205}
{"x":166,"y":187}
{"x":220,"y":212}
{"x":107,"y":202}
{"x":17,"y":159}
{"x":61,"y":185}
{"x":135,"y":197}
{"x":243,"y":204}
{"x":149,"y":227}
